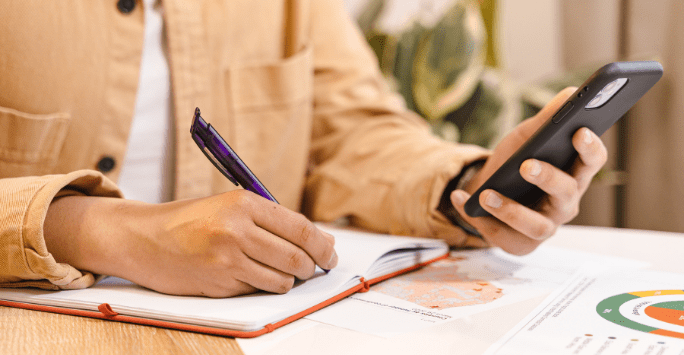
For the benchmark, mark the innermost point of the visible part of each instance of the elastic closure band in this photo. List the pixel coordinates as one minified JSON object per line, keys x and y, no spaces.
{"x":366,"y":285}
{"x":106,"y":309}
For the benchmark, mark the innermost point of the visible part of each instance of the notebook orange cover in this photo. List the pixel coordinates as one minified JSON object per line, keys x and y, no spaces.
{"x":364,"y":259}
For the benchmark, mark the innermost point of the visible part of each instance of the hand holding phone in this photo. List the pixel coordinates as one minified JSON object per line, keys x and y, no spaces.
{"x":597,"y":104}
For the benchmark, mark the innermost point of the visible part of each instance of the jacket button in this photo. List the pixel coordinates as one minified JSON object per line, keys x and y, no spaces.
{"x":106,"y":164}
{"x":125,"y":6}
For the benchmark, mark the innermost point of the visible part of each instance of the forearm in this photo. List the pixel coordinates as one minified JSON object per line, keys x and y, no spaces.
{"x":94,"y":233}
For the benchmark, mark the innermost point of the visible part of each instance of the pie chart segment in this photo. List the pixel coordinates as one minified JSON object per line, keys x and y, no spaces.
{"x":610,"y":310}
{"x":671,"y":311}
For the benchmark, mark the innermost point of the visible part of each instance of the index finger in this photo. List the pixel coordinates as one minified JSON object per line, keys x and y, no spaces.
{"x":296,"y":229}
{"x":552,"y":106}
{"x":527,"y":127}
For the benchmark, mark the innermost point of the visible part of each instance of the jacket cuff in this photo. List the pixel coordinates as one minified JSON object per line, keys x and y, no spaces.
{"x":447,"y":208}
{"x":27,"y":262}
{"x":436,"y":223}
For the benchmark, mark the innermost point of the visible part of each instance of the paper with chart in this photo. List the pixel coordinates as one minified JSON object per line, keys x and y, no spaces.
{"x":466,"y":283}
{"x":627,"y":312}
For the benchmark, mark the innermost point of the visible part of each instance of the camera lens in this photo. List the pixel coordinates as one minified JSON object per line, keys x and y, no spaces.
{"x":595,"y":101}
{"x":610,"y":86}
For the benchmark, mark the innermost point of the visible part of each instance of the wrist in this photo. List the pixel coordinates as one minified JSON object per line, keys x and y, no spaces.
{"x":96,"y":234}
{"x":460,"y":182}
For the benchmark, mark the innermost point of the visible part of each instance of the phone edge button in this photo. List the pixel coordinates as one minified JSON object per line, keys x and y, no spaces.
{"x":562,"y":112}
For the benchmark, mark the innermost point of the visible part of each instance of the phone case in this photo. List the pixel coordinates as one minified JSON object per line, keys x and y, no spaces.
{"x":552,"y":142}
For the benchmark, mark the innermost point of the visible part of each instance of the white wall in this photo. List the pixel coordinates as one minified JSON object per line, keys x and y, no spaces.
{"x":530,"y":38}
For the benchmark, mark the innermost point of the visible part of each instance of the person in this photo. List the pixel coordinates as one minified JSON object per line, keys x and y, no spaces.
{"x":291,"y":85}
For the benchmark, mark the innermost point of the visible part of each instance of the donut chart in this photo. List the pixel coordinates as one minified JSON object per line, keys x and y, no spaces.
{"x":658,"y":312}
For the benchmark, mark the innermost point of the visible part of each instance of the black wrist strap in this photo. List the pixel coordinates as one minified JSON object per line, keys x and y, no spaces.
{"x":460,"y":181}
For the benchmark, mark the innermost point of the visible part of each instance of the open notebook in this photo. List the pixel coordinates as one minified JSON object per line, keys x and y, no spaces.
{"x":364,"y":259}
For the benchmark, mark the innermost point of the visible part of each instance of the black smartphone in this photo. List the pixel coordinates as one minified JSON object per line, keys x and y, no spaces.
{"x":597,"y":104}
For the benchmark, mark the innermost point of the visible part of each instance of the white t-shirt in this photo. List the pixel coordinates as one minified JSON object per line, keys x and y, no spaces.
{"x":147,"y":171}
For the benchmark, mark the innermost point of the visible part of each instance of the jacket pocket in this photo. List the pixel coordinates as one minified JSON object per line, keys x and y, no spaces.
{"x":30,"y":144}
{"x":271,"y":108}
{"x":268,"y":85}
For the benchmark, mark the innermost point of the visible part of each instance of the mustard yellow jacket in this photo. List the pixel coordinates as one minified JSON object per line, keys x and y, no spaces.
{"x":290,"y":84}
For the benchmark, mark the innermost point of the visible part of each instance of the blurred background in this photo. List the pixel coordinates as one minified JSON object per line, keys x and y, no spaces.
{"x":475,"y":68}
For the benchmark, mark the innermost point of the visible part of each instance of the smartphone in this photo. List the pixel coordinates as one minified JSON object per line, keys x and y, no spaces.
{"x":597,"y":104}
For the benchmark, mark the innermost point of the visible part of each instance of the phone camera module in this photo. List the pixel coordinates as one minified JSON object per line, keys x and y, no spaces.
{"x":596,"y":101}
{"x":606,"y":93}
{"x":610,"y":86}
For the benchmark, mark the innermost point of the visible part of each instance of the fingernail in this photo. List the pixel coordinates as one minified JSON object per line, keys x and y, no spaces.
{"x":326,"y":271}
{"x":333,"y":261}
{"x":587,"y":136}
{"x":534,"y":167}
{"x":458,"y":197}
{"x":493,"y":200}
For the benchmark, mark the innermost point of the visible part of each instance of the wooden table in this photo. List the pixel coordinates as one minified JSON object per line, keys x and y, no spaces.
{"x":32,"y":332}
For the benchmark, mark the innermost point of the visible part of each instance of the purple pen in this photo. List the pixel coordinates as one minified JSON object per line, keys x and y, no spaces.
{"x":224,"y":158}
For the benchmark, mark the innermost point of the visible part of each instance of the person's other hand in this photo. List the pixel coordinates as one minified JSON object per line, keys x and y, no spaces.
{"x":516,"y":228}
{"x":225,"y":245}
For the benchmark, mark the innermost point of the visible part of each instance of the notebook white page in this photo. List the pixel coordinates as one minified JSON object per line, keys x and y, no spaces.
{"x":358,"y":253}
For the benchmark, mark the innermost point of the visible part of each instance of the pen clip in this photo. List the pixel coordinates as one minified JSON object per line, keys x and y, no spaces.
{"x":199,"y":131}
{"x":224,"y":158}
{"x":218,"y":165}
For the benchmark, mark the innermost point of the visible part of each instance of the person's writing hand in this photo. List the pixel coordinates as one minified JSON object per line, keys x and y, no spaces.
{"x":225,"y":245}
{"x":519,"y":229}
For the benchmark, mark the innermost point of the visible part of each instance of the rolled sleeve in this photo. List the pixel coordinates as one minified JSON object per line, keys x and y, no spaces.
{"x":24,"y":258}
{"x":392,"y":182}
{"x":373,"y":161}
